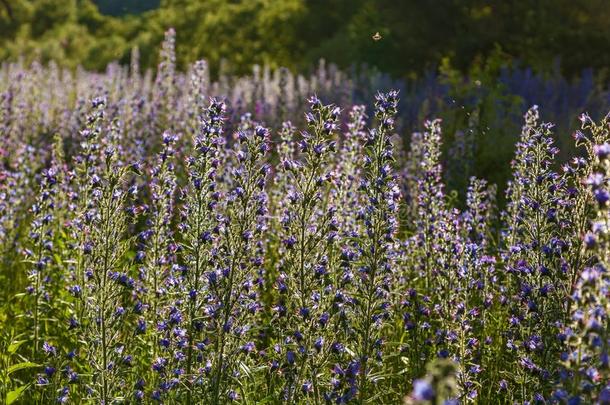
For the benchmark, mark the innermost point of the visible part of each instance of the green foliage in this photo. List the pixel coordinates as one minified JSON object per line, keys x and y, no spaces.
{"x":72,"y":32}
{"x":122,"y":7}
{"x":11,"y":363}
{"x":415,"y":34}
{"x":14,"y":395}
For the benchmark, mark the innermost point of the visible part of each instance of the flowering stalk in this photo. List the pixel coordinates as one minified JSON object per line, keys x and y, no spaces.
{"x":380,"y":222}
{"x":106,"y":278}
{"x":431,"y":206}
{"x":428,"y":251}
{"x":198,"y":88}
{"x":349,"y":171}
{"x":286,"y":151}
{"x":309,"y":230}
{"x":479,"y":218}
{"x":86,"y":167}
{"x":469,"y":290}
{"x":199,"y":228}
{"x":233,"y":296}
{"x":534,"y":260}
{"x":587,"y":359}
{"x":411,"y":174}
{"x":157,"y":241}
{"x":477,"y":291}
{"x":164,"y":101}
{"x":39,"y":257}
{"x":281,"y":186}
{"x":592,"y":137}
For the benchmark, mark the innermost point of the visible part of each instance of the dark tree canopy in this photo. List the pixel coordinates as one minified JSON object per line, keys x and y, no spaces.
{"x":415,"y":34}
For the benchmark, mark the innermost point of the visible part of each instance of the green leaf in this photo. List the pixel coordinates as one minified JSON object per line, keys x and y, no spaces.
{"x":12,"y":348}
{"x":57,"y":258}
{"x":21,"y":366}
{"x":266,"y":400}
{"x":14,"y":395}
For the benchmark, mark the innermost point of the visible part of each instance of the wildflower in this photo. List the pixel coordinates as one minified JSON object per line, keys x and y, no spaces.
{"x":422,"y":390}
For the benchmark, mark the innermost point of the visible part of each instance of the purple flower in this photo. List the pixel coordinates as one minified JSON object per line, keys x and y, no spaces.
{"x":422,"y":390}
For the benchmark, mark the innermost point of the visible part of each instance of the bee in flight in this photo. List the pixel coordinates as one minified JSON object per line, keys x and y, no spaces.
{"x":376,"y":36}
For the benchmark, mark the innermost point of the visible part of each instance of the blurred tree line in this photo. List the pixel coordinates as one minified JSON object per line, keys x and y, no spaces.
{"x":415,"y":34}
{"x":121,"y":7}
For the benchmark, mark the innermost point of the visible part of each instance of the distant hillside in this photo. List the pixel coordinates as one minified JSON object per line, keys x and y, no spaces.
{"x":122,"y":7}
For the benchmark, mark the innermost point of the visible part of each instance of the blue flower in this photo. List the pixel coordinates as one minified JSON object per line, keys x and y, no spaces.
{"x":422,"y":390}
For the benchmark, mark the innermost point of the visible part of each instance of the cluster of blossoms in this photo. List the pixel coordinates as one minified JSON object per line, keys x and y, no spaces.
{"x":535,"y":244}
{"x":164,"y":245}
{"x":372,"y":284}
{"x":586,"y":355}
{"x":302,"y":311}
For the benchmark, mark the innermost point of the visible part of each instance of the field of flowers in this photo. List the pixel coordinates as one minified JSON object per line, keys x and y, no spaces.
{"x":166,"y":238}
